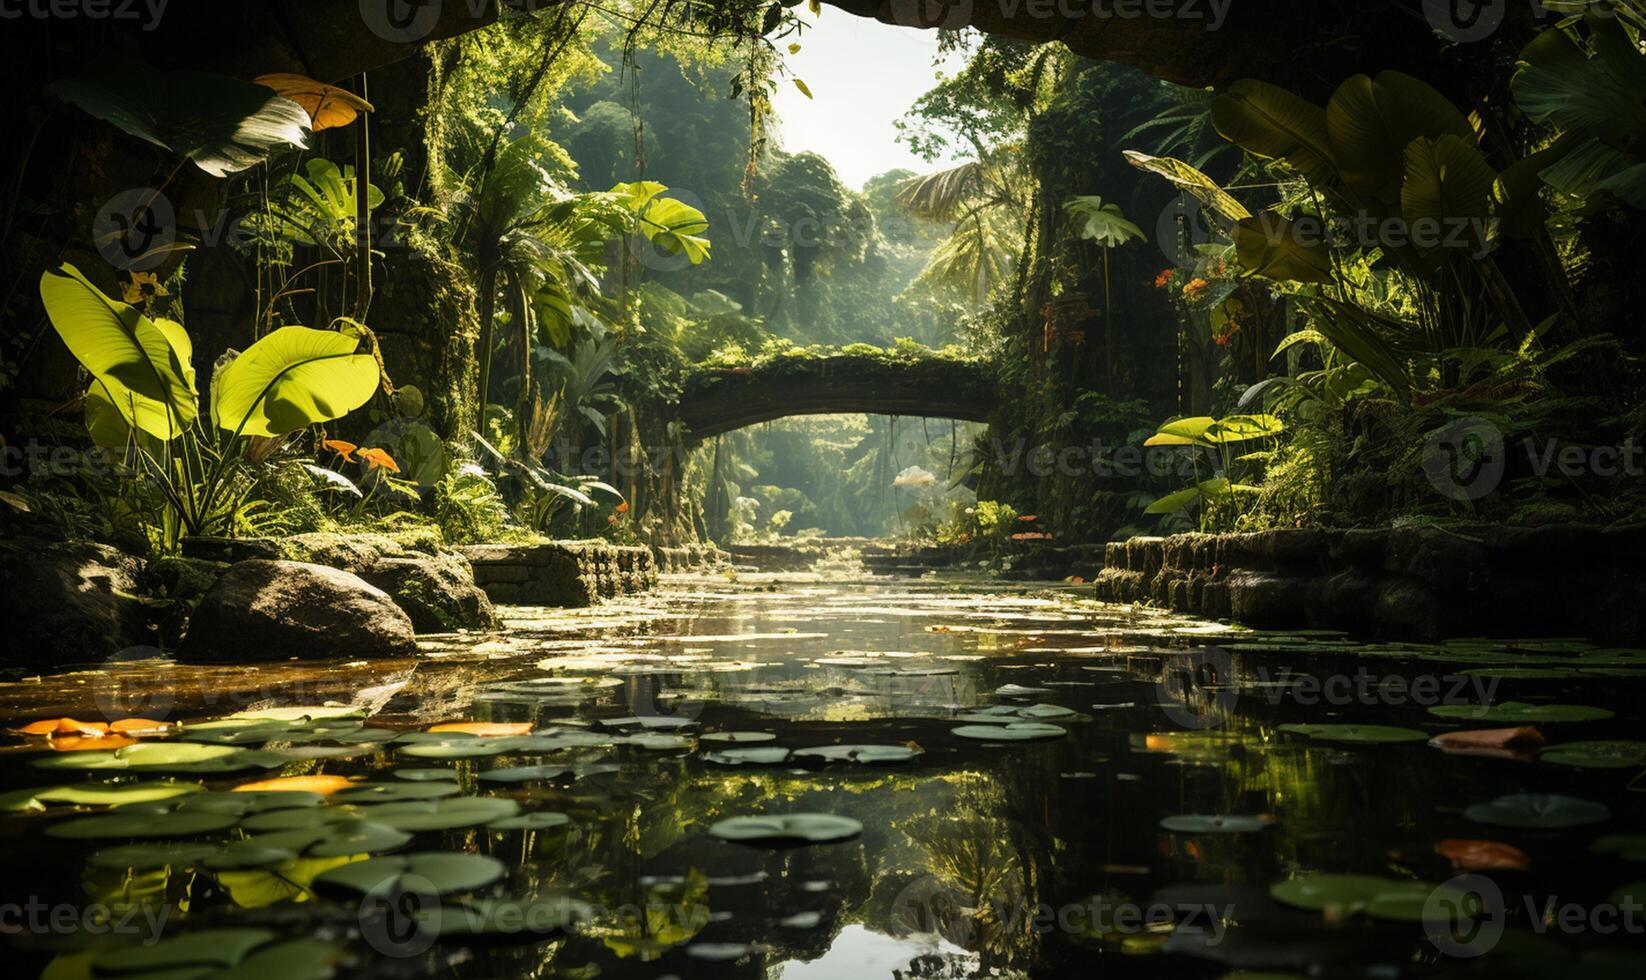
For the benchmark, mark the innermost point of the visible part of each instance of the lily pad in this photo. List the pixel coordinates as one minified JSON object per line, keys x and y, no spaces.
{"x":144,"y":756}
{"x":1356,"y":733}
{"x":425,"y":775}
{"x":1518,"y":712}
{"x":396,"y":792}
{"x":335,"y":838}
{"x":538,"y":820}
{"x":525,"y":774}
{"x":742,"y":738}
{"x":761,"y":755}
{"x":1018,"y":731}
{"x":98,"y":794}
{"x":1340,"y":896}
{"x":135,"y":825}
{"x":444,"y":873}
{"x":456,"y":747}
{"x":1614,"y":754}
{"x":1538,"y":811}
{"x":1220,"y":823}
{"x":787,"y":830}
{"x":859,"y":753}
{"x":421,"y":815}
{"x":660,"y":742}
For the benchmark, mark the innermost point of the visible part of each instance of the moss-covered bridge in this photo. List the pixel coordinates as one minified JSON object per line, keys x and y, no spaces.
{"x":718,"y":400}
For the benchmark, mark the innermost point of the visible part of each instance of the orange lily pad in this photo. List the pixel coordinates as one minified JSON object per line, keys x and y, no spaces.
{"x":140,"y":726}
{"x":324,"y":785}
{"x":54,"y":727}
{"x":485,"y":728}
{"x":1482,"y":855}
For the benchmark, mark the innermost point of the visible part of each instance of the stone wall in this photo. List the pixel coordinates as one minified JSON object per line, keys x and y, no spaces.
{"x":688,"y":559}
{"x":1418,"y":583}
{"x":562,"y":573}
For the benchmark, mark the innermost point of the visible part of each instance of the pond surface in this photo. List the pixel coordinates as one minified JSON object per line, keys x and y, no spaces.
{"x":1041,"y":785}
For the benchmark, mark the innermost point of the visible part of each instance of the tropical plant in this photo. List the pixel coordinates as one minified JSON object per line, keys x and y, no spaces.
{"x":143,"y":398}
{"x":1105,"y":224}
{"x":1203,"y":435}
{"x":982,"y":199}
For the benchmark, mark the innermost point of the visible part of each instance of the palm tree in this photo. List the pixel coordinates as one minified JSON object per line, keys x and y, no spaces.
{"x":983,"y":198}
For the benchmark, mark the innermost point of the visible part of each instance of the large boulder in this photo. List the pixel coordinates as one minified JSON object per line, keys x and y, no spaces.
{"x":67,"y":603}
{"x":436,"y":588}
{"x":273,"y":610}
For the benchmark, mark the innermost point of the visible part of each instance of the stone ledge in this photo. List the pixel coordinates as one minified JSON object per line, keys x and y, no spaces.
{"x":1418,"y":582}
{"x":561,"y":573}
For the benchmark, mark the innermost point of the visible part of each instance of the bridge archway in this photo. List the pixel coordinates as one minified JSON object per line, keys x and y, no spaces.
{"x":722,"y":400}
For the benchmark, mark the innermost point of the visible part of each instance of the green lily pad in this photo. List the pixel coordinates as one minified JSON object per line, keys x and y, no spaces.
{"x":1356,"y":733}
{"x":742,"y":738}
{"x":1220,"y":823}
{"x":207,"y":948}
{"x":144,"y":756}
{"x":760,"y":755}
{"x":660,"y":742}
{"x":1538,"y":811}
{"x":1613,"y":754}
{"x":426,"y":775}
{"x":787,"y":830}
{"x":1520,"y":713}
{"x":523,"y":774}
{"x":538,"y":820}
{"x":297,"y":713}
{"x":97,"y":794}
{"x":444,"y":873}
{"x":457,"y":747}
{"x":243,"y":855}
{"x":422,"y":815}
{"x":1341,"y":896}
{"x":1019,"y":731}
{"x":859,"y":753}
{"x":133,"y":825}
{"x":151,"y":857}
{"x":395,"y":792}
{"x":336,"y":838}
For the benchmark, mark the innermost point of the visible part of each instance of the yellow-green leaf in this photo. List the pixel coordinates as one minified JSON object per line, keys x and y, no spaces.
{"x":293,"y":378}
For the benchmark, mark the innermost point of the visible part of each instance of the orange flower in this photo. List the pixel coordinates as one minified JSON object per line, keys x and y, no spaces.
{"x":1195,"y":286}
{"x":379,"y":459}
{"x":1224,"y":338}
{"x":1161,"y":280}
{"x":341,"y":448}
{"x":623,"y":508}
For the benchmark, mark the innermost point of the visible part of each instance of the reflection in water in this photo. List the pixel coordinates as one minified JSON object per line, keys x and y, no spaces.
{"x":1026,"y":851}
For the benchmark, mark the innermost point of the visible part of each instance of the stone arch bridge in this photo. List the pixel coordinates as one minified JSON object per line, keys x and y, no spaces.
{"x":719,"y":400}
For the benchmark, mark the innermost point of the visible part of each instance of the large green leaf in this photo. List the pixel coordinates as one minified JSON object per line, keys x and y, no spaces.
{"x":293,"y":378}
{"x":1364,"y":336}
{"x":143,"y":364}
{"x":1446,"y":193}
{"x":1372,"y":122}
{"x":1270,"y":122}
{"x":223,"y":124}
{"x":676,"y":227}
{"x":1186,"y":178}
{"x":1276,"y":247}
{"x":1102,"y":222}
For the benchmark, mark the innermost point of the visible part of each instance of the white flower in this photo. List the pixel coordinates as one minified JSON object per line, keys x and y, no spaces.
{"x":914,"y":476}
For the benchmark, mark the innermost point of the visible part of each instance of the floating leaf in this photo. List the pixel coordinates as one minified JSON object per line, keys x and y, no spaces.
{"x":787,"y":830}
{"x":539,"y":820}
{"x":1517,"y":712}
{"x":452,"y":814}
{"x":1482,"y":855}
{"x":151,"y":857}
{"x":397,"y":792}
{"x":1540,"y":811}
{"x":1017,"y":731}
{"x":445,"y":873}
{"x":754,"y":756}
{"x":116,"y":825}
{"x":484,"y":729}
{"x":323,"y":785}
{"x":1342,"y":896}
{"x":1612,"y":754}
{"x":1226,"y":823}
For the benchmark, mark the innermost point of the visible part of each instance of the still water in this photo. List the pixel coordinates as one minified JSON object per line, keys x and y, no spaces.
{"x":1032,"y":784}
